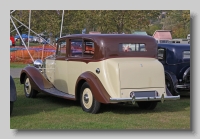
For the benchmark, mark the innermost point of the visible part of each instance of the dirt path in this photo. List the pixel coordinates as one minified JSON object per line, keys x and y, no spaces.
{"x":15,"y":72}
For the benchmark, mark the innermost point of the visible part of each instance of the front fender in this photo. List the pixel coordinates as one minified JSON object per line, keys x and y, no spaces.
{"x":37,"y":79}
{"x":173,"y":78}
{"x":182,"y":71}
{"x":98,"y":90}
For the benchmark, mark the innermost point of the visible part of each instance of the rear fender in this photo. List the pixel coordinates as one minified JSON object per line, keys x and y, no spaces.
{"x":98,"y":90}
{"x":37,"y":79}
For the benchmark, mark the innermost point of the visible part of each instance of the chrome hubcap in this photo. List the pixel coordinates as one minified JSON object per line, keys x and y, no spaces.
{"x":86,"y":98}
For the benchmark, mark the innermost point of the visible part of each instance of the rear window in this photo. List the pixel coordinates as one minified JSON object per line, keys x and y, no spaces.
{"x":130,"y":47}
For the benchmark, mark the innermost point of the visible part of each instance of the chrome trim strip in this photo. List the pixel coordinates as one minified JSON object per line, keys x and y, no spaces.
{"x":135,"y":99}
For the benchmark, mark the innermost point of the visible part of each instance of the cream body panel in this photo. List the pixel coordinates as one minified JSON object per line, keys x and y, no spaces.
{"x":66,"y":75}
{"x":74,"y":71}
{"x":135,"y":74}
{"x":61,"y":76}
{"x":108,"y":76}
{"x":119,"y":76}
{"x":126,"y":73}
{"x":141,"y":73}
{"x":49,"y":69}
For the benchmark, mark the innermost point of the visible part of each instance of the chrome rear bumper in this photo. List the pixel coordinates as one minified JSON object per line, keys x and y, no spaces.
{"x":136,"y":99}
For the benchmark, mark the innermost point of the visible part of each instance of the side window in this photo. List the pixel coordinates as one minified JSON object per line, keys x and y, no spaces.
{"x":81,"y":48}
{"x":75,"y":48}
{"x":88,"y":48}
{"x":61,"y":48}
{"x":161,"y":54}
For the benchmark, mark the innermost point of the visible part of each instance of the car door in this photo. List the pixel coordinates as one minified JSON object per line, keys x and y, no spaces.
{"x":49,"y":67}
{"x":74,"y":63}
{"x":61,"y":68}
{"x":81,"y":52}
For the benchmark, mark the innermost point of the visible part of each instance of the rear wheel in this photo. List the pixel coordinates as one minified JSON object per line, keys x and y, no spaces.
{"x":28,"y":90}
{"x":148,"y":105}
{"x":88,"y":102}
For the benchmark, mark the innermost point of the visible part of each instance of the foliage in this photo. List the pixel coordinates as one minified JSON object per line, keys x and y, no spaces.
{"x":105,"y":21}
{"x":151,"y":29}
{"x":178,"y":21}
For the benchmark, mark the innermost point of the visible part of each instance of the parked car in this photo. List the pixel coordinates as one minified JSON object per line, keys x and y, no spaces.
{"x":182,"y":41}
{"x":94,"y":69}
{"x":162,"y":36}
{"x":140,"y":32}
{"x":188,"y":36}
{"x":176,"y":61}
{"x":35,"y":39}
{"x":13,"y":94}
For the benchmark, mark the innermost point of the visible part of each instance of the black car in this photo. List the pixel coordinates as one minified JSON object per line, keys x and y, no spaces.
{"x":176,"y":61}
{"x":13,"y":94}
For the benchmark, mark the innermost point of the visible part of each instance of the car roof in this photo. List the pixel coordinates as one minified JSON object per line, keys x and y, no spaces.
{"x":106,"y":35}
{"x":174,"y":45}
{"x":107,"y":45}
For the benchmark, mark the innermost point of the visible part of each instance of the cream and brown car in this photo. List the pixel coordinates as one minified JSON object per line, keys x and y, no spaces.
{"x":100,"y":69}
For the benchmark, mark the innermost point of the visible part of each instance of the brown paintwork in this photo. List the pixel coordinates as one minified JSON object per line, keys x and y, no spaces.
{"x":106,"y":45}
{"x":38,"y":81}
{"x":98,"y":90}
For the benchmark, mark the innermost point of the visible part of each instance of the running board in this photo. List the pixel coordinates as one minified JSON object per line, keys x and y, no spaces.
{"x":57,"y":93}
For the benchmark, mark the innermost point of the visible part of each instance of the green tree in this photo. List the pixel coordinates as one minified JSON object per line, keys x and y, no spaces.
{"x":178,"y":21}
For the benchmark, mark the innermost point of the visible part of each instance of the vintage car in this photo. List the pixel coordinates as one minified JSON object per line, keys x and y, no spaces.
{"x":97,"y":69}
{"x":176,"y":61}
{"x":13,"y":94}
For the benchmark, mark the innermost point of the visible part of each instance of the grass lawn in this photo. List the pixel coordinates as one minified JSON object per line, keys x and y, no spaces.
{"x":48,"y":112}
{"x":17,"y":65}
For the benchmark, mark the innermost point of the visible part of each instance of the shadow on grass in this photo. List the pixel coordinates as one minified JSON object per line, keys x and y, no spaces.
{"x":45,"y":103}
{"x":42,"y":103}
{"x":167,"y":106}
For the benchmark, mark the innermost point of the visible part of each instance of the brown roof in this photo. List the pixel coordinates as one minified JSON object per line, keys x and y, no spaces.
{"x":107,"y":44}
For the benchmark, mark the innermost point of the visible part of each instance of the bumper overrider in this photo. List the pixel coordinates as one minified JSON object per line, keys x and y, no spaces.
{"x":145,"y":96}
